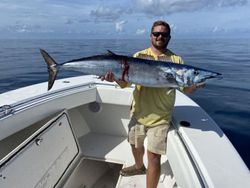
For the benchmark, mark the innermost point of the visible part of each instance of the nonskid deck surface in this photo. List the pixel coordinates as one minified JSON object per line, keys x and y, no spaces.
{"x":166,"y":178}
{"x":117,"y":150}
{"x":108,"y":147}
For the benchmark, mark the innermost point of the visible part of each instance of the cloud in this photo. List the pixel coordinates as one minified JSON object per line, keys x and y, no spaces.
{"x":84,"y":20}
{"x":109,"y":14}
{"x":140,"y":31}
{"x":106,"y":14}
{"x":20,"y":27}
{"x":217,"y":29}
{"x":119,"y":26}
{"x":163,"y":7}
{"x":173,"y":27}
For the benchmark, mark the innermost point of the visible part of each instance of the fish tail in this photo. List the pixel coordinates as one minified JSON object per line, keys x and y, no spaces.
{"x":52,"y":68}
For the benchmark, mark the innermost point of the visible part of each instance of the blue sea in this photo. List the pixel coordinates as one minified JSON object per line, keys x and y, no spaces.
{"x":227,"y":101}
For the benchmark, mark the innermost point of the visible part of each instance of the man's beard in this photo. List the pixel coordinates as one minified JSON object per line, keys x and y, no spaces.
{"x":161,"y":46}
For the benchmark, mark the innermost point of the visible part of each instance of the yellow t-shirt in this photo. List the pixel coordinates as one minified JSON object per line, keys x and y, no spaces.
{"x":153,"y":106}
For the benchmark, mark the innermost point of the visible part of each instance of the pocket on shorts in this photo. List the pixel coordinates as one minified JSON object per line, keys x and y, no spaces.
{"x":140,"y":130}
{"x":132,"y":123}
{"x":157,"y":137}
{"x":140,"y":135}
{"x":161,"y":131}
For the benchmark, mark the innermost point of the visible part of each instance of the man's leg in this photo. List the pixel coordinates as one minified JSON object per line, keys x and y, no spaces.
{"x":153,"y":170}
{"x":138,"y":167}
{"x":138,"y":156}
{"x":157,"y":144}
{"x":136,"y":138}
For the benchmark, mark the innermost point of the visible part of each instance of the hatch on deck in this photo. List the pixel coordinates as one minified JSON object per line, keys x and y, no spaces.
{"x":94,"y":174}
{"x":47,"y":153}
{"x":54,"y":159}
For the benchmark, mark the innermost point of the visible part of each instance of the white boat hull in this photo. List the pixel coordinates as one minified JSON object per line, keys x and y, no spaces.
{"x":96,"y":115}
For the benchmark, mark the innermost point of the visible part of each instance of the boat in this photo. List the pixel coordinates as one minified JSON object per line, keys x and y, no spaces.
{"x":75,"y":136}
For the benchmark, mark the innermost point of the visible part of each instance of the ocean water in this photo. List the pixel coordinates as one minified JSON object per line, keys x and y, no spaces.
{"x":227,"y":101}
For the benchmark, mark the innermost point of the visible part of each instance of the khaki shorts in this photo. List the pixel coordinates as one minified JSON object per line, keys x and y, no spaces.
{"x":157,"y":136}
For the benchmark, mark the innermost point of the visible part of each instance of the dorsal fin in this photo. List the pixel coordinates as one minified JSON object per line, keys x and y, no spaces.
{"x":111,"y":53}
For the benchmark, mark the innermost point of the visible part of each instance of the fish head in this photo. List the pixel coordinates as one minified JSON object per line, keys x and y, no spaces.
{"x":189,"y":76}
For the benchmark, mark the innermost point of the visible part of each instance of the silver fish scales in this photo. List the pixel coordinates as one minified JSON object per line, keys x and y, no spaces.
{"x":144,"y":72}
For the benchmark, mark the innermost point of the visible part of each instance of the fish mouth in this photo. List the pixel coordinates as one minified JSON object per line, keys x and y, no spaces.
{"x":210,"y":76}
{"x":215,"y":75}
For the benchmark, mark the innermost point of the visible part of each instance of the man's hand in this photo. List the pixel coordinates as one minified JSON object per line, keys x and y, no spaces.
{"x":193,"y":88}
{"x":109,"y":76}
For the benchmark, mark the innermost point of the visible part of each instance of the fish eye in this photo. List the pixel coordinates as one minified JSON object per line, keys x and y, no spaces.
{"x":169,"y":76}
{"x":196,"y":72}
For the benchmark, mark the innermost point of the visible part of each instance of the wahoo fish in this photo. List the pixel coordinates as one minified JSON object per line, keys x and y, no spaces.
{"x":149,"y":73}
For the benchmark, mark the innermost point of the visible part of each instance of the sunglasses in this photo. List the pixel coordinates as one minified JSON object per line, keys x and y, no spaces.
{"x":163,"y":34}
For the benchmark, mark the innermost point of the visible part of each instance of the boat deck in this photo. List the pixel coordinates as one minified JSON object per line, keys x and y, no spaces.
{"x":166,"y":178}
{"x":116,"y":149}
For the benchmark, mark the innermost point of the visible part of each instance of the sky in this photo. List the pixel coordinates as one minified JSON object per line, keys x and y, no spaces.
{"x":123,"y":19}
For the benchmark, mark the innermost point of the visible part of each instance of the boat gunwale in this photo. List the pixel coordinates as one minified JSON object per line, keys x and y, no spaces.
{"x":40,"y":99}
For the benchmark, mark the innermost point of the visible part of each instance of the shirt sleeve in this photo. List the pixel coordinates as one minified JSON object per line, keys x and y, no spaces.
{"x":181,"y":61}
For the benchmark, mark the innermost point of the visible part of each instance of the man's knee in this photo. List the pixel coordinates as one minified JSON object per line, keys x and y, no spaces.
{"x":154,"y":158}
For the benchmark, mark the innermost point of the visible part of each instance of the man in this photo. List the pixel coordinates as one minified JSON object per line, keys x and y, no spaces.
{"x":151,"y":110}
